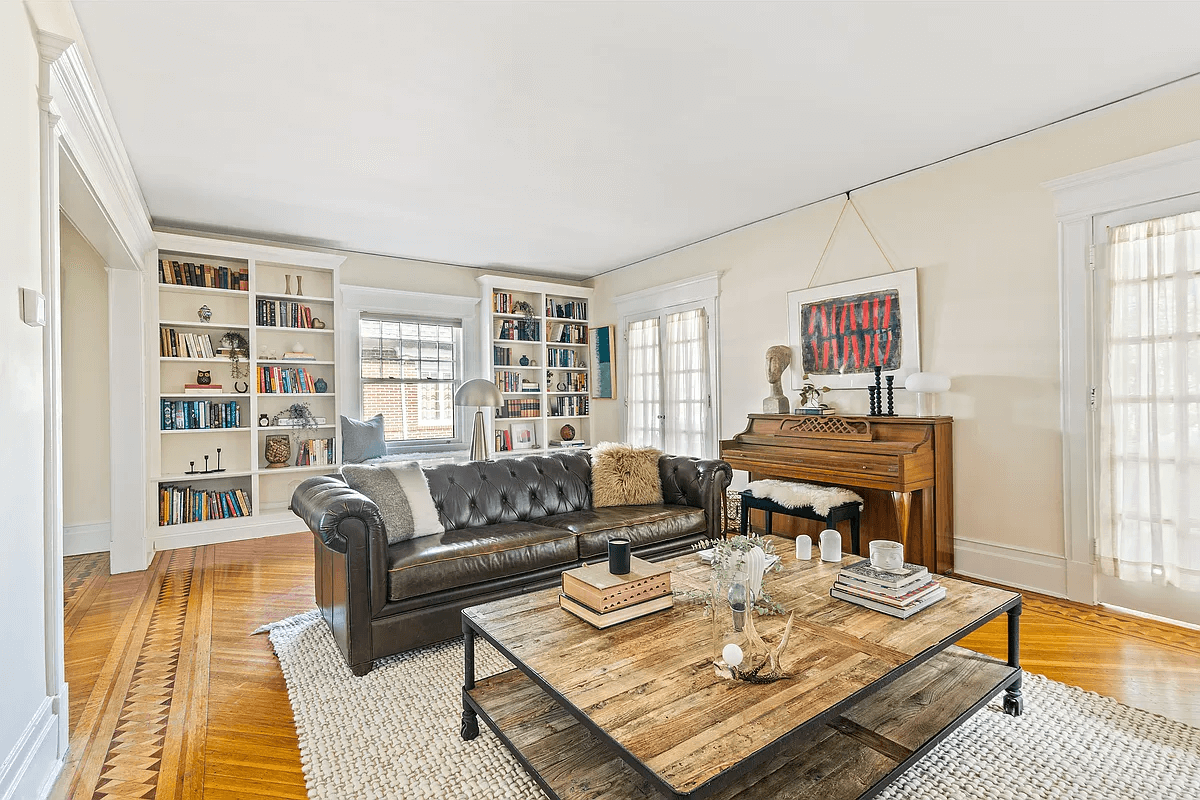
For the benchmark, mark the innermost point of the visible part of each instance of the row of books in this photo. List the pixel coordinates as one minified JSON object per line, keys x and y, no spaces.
{"x":520,"y":330}
{"x":180,"y":504}
{"x":569,"y":406}
{"x":578,"y":444}
{"x":282,"y":314}
{"x":511,"y":381}
{"x":563,"y":357}
{"x":315,"y":452}
{"x":188,"y":274}
{"x":504,"y":303}
{"x":572,"y":309}
{"x":286,"y":380}
{"x":569,"y":334}
{"x":174,"y":344}
{"x":502,"y":356}
{"x":901,"y":593}
{"x":504,"y":440}
{"x":519,"y":408}
{"x":603,"y":599}
{"x":189,"y":415}
{"x":571,"y":382}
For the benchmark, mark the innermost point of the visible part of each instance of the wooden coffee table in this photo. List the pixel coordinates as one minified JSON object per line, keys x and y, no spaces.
{"x":636,"y":710}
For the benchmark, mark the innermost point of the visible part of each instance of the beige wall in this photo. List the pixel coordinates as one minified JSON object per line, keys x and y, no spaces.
{"x":84,"y":381}
{"x":22,"y":625}
{"x":981,"y":232}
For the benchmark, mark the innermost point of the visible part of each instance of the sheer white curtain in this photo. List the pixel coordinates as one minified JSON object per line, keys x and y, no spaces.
{"x":686,"y":403}
{"x":1150,"y":405}
{"x":643,"y":420}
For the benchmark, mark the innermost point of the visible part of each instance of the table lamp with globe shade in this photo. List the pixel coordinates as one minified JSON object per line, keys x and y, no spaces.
{"x":479,"y":393}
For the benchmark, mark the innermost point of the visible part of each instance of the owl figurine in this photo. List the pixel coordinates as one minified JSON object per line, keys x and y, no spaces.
{"x":204,"y":313}
{"x":204,"y":377}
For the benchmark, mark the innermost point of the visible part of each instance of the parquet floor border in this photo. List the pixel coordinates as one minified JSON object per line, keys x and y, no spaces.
{"x":179,"y":701}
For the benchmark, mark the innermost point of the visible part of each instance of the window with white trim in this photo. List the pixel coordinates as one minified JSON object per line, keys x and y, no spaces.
{"x":409,"y":368}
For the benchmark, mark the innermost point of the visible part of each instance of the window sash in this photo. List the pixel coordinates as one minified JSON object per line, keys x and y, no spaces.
{"x":428,"y":356}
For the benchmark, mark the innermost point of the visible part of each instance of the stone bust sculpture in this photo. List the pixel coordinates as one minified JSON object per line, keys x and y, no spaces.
{"x":779,"y":357}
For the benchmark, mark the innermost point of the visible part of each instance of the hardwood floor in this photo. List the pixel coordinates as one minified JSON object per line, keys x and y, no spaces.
{"x":171,"y":697}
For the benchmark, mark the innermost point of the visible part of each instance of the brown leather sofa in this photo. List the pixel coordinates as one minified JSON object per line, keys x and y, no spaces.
{"x":512,"y":526}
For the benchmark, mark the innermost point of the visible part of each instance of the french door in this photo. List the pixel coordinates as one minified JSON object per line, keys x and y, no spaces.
{"x":1146,"y":408}
{"x":670,"y":380}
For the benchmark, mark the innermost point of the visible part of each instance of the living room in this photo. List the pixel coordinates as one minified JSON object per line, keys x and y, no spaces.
{"x":507,"y":186}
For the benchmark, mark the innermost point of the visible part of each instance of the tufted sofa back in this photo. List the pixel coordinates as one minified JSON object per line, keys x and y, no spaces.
{"x":511,"y":489}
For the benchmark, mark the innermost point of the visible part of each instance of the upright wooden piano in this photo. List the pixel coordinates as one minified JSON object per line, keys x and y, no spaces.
{"x":900,"y":465}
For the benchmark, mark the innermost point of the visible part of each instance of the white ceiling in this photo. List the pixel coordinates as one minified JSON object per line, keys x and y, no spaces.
{"x":571,"y":138}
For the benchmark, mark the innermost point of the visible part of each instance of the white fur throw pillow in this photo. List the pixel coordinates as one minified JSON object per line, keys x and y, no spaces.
{"x":402,"y":494}
{"x":624,"y":475}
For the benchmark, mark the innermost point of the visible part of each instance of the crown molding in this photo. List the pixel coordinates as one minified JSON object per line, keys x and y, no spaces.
{"x":1144,"y":179}
{"x":93,"y":145}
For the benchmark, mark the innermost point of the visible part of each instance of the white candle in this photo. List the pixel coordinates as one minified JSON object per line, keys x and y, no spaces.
{"x":804,"y":547}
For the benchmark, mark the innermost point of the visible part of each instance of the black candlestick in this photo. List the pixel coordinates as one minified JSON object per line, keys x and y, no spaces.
{"x":891,"y":379}
{"x":874,"y":394}
{"x":206,"y":463}
{"x":218,"y":469}
{"x":192,"y":468}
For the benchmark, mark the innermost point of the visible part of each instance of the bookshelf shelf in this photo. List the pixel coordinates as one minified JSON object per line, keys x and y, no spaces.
{"x":211,"y":476}
{"x":294,"y":298}
{"x":293,"y":330}
{"x":186,"y":396}
{"x":293,"y":470}
{"x":297,"y":431}
{"x":184,"y":289}
{"x":295,"y":394}
{"x":264,"y":270}
{"x":213,"y":360}
{"x":215,"y":327}
{"x":282,"y":362}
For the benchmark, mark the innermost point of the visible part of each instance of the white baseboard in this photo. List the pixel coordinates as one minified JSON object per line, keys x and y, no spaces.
{"x":1017,"y":567}
{"x":30,"y":769}
{"x":95,"y":537}
{"x":167,"y":538}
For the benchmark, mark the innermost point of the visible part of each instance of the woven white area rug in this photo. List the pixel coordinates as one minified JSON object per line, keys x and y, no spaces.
{"x":394,"y":733}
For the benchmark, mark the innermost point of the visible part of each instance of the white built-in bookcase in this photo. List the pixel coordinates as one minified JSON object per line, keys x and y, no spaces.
{"x":545,"y":298}
{"x":242,"y":449}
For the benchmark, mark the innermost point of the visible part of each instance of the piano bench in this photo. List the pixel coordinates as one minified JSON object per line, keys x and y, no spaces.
{"x":846,"y":511}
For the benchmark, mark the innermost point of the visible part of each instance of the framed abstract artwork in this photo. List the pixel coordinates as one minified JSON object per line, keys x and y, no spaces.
{"x":841,"y":332}
{"x":604,"y":362}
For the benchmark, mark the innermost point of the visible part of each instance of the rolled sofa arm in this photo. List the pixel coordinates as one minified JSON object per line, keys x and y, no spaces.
{"x":347,"y":522}
{"x":697,"y":482}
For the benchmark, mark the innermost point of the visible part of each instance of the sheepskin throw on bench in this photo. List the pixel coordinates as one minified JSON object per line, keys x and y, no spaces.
{"x":791,"y":494}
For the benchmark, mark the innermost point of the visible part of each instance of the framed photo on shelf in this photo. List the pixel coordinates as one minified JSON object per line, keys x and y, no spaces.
{"x":841,"y":332}
{"x":604,"y":376}
{"x":524,"y":435}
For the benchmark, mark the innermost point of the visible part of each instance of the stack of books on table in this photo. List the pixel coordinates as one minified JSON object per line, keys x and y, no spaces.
{"x":595,"y":595}
{"x":901,"y":593}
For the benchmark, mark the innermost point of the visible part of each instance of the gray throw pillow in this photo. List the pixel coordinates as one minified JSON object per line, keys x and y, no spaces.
{"x":402,"y":494}
{"x":362,"y":439}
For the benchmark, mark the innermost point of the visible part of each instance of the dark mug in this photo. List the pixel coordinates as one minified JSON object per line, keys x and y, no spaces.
{"x":618,"y":556}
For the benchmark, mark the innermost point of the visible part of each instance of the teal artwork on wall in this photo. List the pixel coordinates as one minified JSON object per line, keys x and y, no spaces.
{"x":603,"y":363}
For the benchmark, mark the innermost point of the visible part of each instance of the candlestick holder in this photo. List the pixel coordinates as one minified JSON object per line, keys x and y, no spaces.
{"x":891,"y":412}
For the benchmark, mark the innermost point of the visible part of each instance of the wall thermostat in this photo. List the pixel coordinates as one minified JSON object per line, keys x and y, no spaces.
{"x":33,"y":307}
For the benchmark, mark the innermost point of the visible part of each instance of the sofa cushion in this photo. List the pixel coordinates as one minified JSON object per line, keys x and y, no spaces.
{"x":641,"y":525}
{"x":474,"y":555}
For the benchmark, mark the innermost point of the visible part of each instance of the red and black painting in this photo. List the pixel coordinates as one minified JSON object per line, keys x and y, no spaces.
{"x":852,"y":334}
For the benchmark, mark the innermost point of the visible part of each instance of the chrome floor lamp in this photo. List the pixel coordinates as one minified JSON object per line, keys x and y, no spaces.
{"x":479,"y":393}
